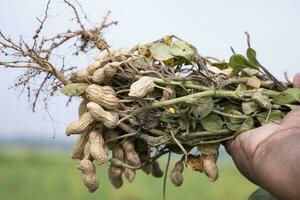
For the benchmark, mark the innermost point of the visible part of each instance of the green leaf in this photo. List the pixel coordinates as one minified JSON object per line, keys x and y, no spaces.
{"x":249,"y":107}
{"x":246,"y":125}
{"x":239,"y":62}
{"x":203,"y":107}
{"x":233,"y":127}
{"x":261,"y":194}
{"x":251,"y":55}
{"x":276,"y":116}
{"x":289,"y":96}
{"x":212,"y":122}
{"x":74,"y":89}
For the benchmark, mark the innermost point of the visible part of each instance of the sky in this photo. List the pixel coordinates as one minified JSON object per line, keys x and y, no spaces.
{"x":212,"y":26}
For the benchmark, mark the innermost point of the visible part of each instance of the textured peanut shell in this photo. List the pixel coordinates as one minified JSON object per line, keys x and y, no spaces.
{"x":91,"y":182}
{"x":129,"y":174}
{"x":210,"y":168}
{"x":98,"y":148}
{"x":115,"y":176}
{"x":104,"y":96}
{"x":81,"y":126}
{"x":109,"y":119}
{"x":78,"y":148}
{"x":176,"y":174}
{"x":86,"y":167}
{"x":82,"y":107}
{"x":81,"y":76}
{"x":105,"y":73}
{"x":131,"y":156}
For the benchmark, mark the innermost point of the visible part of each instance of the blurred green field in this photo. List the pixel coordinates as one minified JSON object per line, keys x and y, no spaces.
{"x":47,"y":175}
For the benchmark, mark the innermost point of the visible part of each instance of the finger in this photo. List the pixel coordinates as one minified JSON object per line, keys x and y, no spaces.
{"x":228,"y":146}
{"x":296,"y":82}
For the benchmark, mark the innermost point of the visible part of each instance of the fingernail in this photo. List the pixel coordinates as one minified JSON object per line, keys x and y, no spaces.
{"x":296,"y":82}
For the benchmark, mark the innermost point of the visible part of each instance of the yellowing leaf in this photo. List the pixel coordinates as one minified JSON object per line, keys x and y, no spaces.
{"x":74,"y":89}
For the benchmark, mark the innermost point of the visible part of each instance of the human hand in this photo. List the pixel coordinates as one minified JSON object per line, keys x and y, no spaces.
{"x":269,"y":156}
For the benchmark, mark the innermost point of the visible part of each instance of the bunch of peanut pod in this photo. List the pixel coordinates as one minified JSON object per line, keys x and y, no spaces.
{"x":163,"y":97}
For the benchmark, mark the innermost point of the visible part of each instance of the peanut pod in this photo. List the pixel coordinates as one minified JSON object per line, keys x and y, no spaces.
{"x":114,"y":172}
{"x":98,"y":148}
{"x":210,"y":168}
{"x":105,"y":73}
{"x":109,"y":119}
{"x":176,"y":174}
{"x":82,"y":76}
{"x":110,"y":134}
{"x":82,"y":108}
{"x":141,"y":87}
{"x":129,"y":174}
{"x":88,"y":170}
{"x":131,"y":156}
{"x":102,"y":95}
{"x":156,"y":171}
{"x":78,"y":149}
{"x":81,"y":126}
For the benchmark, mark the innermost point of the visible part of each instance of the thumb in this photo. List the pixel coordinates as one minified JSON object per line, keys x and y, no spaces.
{"x":296,"y":82}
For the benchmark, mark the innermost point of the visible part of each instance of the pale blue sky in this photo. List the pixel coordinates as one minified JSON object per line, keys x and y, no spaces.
{"x":212,"y":26}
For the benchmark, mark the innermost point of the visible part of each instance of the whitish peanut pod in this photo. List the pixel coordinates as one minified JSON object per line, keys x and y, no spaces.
{"x":82,"y":76}
{"x":109,"y":119}
{"x":98,"y":148}
{"x":110,"y":134}
{"x":95,"y":65}
{"x":118,"y":153}
{"x":129,"y":174}
{"x":176,"y":174}
{"x":91,"y":182}
{"x":210,"y":168}
{"x":87,"y":151}
{"x":104,"y":96}
{"x":105,"y":73}
{"x":82,"y":107}
{"x":86,"y":167}
{"x":103,"y":55}
{"x":78,"y":149}
{"x":141,"y":87}
{"x":131,"y":156}
{"x":81,"y":126}
{"x":115,"y":176}
{"x":156,"y":171}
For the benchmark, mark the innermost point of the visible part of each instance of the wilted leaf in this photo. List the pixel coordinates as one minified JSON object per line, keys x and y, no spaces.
{"x":249,"y":71}
{"x":74,"y":89}
{"x":203,"y":108}
{"x":232,"y":126}
{"x":261,"y":194}
{"x":212,"y":123}
{"x":246,"y":125}
{"x":276,"y":116}
{"x":181,"y":49}
{"x":262,"y":100}
{"x":161,"y":51}
{"x":221,"y":65}
{"x":249,"y":107}
{"x":241,"y":87}
{"x":289,"y":96}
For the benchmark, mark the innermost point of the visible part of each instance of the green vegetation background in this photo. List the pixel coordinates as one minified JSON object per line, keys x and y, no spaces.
{"x":46,"y":175}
